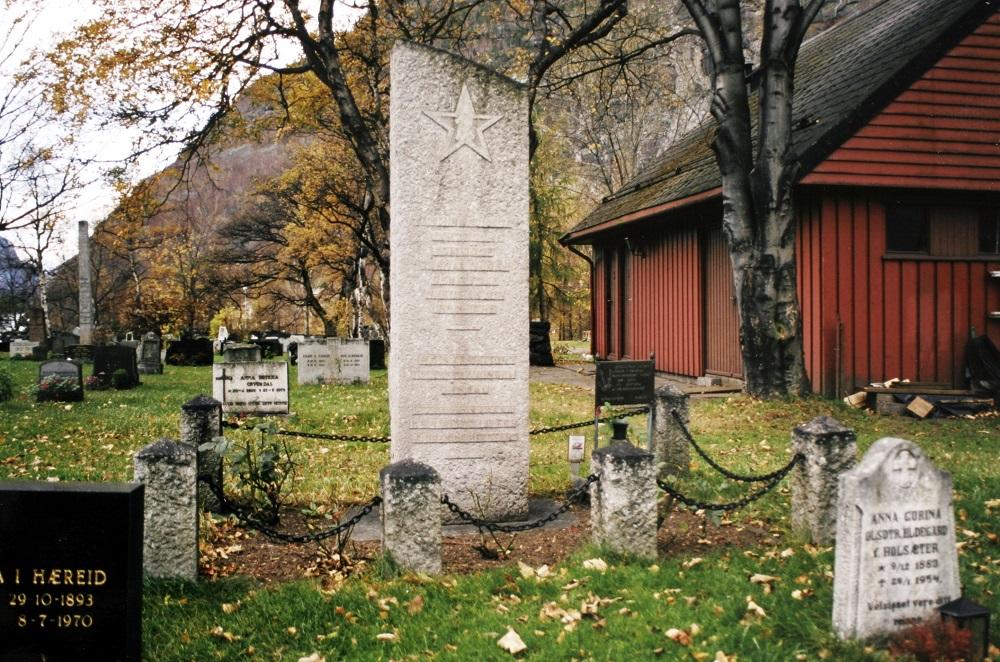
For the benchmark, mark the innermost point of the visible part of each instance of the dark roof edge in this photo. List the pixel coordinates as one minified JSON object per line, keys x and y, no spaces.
{"x":905,"y":77}
{"x":580,"y":236}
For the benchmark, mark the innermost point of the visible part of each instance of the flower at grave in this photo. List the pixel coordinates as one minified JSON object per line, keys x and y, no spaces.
{"x":54,"y":385}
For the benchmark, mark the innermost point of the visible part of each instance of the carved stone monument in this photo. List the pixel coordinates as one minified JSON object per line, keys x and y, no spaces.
{"x":353,"y":361}
{"x":314,"y":361}
{"x":251,"y":387}
{"x":458,"y":370}
{"x":896,"y":560}
{"x":149,"y":355}
{"x":86,"y":294}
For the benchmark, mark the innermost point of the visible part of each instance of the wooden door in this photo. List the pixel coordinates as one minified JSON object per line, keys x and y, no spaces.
{"x":722,"y":321}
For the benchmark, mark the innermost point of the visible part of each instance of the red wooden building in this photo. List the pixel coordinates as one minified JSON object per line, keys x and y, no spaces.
{"x":897,"y":126}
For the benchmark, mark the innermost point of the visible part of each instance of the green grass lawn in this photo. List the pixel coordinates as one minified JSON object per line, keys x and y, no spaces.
{"x":625,"y":613}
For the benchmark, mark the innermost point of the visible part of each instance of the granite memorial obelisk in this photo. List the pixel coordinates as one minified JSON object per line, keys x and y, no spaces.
{"x":86,"y":293}
{"x":458,"y":372}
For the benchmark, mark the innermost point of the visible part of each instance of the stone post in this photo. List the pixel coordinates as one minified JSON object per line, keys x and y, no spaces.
{"x":623,"y":501}
{"x":168,"y":470}
{"x":411,"y":515}
{"x":671,"y":450}
{"x":829,"y":449}
{"x":201,"y":422}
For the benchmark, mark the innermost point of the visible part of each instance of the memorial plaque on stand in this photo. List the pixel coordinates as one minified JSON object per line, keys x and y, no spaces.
{"x":624,"y":382}
{"x":70,"y":571}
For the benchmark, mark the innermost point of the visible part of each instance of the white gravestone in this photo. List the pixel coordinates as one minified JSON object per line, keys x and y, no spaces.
{"x":458,"y":373}
{"x":316,"y":365}
{"x":251,"y":387}
{"x":896,"y":560}
{"x":352,"y":361}
{"x":22,"y":348}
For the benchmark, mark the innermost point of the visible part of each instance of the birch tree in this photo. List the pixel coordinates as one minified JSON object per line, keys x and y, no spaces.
{"x":758,"y":175}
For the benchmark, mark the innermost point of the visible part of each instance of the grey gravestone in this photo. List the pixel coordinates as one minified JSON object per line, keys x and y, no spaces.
{"x":149,"y":355}
{"x":64,"y":369}
{"x":86,"y":296}
{"x":896,"y":560}
{"x":458,"y":365}
{"x":352,"y":361}
{"x":316,"y":365}
{"x":109,"y":358}
{"x":251,"y":388}
{"x":23,"y":348}
{"x":235,"y":353}
{"x":70,"y":571}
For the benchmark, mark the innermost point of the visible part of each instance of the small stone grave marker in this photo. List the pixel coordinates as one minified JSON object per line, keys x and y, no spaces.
{"x":70,"y":571}
{"x":22,"y":348}
{"x":149,"y":355}
{"x":896,"y":560}
{"x":316,"y":365}
{"x":239,"y":352}
{"x":109,"y":358}
{"x":251,"y":387}
{"x":68,"y":374}
{"x":352,"y":361}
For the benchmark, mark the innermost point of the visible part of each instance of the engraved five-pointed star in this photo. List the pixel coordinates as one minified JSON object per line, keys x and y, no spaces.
{"x":464,"y":126}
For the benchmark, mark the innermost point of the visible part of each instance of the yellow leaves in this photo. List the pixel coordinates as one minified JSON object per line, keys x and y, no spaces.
{"x":595,"y":564}
{"x":225,"y":635}
{"x":415,"y":606}
{"x":387,"y":636}
{"x":765,"y":581}
{"x":687,"y":565}
{"x":754,"y":609}
{"x":315,"y":657}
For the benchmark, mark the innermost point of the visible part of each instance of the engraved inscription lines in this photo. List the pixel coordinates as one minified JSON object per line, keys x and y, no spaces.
{"x":475,"y":410}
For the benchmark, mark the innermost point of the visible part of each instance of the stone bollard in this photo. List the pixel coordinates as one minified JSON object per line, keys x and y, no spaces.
{"x":411,"y":516}
{"x":623,"y":501}
{"x":828,"y":449}
{"x":168,"y":470}
{"x":201,"y":423}
{"x":671,"y":450}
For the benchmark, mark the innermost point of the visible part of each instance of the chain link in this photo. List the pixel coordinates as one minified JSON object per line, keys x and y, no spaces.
{"x":743,"y":478}
{"x":243,"y":514}
{"x":732,"y":505}
{"x":495,"y":527}
{"x":604,"y":419}
{"x":385,"y":440}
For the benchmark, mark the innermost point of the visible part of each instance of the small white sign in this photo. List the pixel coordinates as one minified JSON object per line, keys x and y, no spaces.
{"x":576,"y":446}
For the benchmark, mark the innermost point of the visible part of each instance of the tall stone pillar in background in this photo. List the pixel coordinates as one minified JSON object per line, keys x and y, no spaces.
{"x":86,"y":293}
{"x":458,"y":370}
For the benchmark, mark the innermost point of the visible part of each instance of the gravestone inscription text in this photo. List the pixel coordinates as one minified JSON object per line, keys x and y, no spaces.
{"x":896,"y":560}
{"x":70,"y":571}
{"x":249,"y":387}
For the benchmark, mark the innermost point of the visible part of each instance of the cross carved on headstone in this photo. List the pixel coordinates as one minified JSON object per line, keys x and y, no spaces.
{"x":223,"y":378}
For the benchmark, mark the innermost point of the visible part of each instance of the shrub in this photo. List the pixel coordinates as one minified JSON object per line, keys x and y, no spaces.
{"x":6,"y":386}
{"x":932,"y":641}
{"x":119,"y":379}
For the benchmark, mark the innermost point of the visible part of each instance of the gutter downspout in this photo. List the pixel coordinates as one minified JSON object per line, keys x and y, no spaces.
{"x":590,"y":262}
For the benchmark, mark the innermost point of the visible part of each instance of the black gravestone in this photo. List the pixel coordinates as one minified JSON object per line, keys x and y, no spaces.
{"x":376,"y":354}
{"x":190,"y":351}
{"x":269,"y":347}
{"x":624,"y":382}
{"x":70,"y":572}
{"x":68,"y":384}
{"x":60,"y":340}
{"x":109,"y":358}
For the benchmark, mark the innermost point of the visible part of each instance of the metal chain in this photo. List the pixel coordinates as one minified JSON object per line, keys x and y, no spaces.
{"x":583,"y":424}
{"x":744,"y":478}
{"x":494,"y":527}
{"x":385,"y":440}
{"x":243,"y":515}
{"x":732,"y":505}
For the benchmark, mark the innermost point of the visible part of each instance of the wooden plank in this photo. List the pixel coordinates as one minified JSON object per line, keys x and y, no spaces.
{"x":845,"y":291}
{"x":818,"y":177}
{"x":927,"y":312}
{"x":876,"y":296}
{"x":908,"y":142}
{"x":948,"y":99}
{"x":859,"y":301}
{"x":945,"y":345}
{"x":974,"y":86}
{"x":932,"y":110}
{"x":905,"y":389}
{"x":909,"y":322}
{"x":919,"y":407}
{"x":990,"y":161}
{"x":959,"y":319}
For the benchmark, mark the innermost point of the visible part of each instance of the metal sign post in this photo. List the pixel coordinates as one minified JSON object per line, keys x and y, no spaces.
{"x":625,"y":383}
